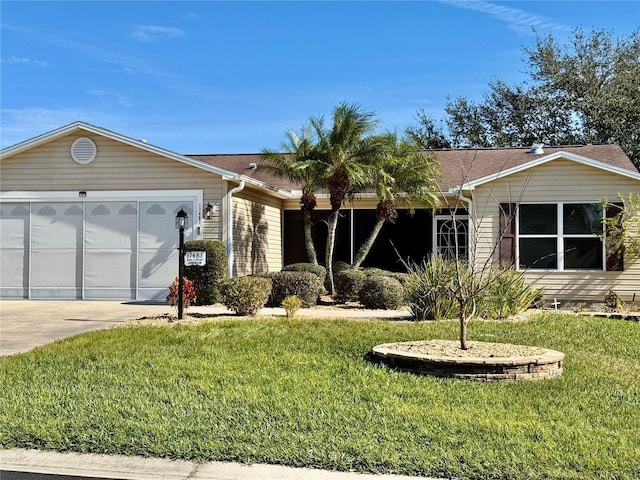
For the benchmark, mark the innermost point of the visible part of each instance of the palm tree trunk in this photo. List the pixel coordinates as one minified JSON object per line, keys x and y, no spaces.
{"x":331,"y":240}
{"x":308,"y":239}
{"x":366,"y":246}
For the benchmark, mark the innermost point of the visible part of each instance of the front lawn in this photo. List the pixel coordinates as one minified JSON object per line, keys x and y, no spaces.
{"x":301,"y":392}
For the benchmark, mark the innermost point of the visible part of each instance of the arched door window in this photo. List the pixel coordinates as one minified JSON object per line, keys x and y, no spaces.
{"x":452,"y":237}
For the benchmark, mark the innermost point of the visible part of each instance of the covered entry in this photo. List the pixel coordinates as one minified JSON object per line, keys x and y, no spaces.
{"x":92,"y":245}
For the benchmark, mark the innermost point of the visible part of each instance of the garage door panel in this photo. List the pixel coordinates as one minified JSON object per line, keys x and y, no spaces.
{"x":56,"y":268}
{"x":157,"y":268}
{"x":109,"y":269}
{"x":157,"y":224}
{"x":14,"y":245}
{"x":111,"y":225}
{"x":56,"y":225}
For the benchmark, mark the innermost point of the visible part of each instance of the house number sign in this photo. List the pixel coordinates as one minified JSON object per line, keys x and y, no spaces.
{"x":195,"y":258}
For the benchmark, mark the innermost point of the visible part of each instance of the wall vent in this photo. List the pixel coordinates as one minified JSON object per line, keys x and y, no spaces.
{"x":83,"y":150}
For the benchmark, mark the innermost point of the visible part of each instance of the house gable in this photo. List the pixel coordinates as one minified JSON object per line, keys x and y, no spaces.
{"x":562,"y":156}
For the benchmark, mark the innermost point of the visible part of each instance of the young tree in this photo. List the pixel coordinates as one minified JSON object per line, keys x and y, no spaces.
{"x":293,"y":162}
{"x":404,"y":176}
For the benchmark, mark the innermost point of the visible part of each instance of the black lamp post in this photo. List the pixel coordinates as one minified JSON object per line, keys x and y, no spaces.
{"x":182,"y":222}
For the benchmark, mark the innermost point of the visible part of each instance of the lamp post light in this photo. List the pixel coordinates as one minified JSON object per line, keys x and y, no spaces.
{"x":182,"y":222}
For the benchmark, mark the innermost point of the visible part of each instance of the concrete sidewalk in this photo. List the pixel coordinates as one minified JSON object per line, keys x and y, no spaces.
{"x":139,"y":468}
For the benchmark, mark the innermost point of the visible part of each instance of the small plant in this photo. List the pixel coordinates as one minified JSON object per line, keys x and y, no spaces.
{"x":613,"y":302}
{"x":291,"y":305}
{"x":246,"y":295}
{"x":380,"y":292}
{"x":188,"y":293}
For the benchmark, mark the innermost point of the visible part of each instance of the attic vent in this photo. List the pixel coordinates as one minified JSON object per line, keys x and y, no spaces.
{"x":537,"y":149}
{"x":83,"y":150}
{"x":252,"y":166}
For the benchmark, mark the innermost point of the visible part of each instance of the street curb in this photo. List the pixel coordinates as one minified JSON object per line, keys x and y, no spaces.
{"x":141,"y":468}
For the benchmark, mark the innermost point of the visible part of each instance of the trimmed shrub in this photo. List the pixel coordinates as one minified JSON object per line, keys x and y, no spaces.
{"x":304,"y":285}
{"x":319,"y":270}
{"x":208,"y":278}
{"x":245,"y":295}
{"x":339,"y":266}
{"x":348,"y":285}
{"x":381,"y":292}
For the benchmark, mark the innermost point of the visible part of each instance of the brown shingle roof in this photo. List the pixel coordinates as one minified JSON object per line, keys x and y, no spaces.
{"x":241,"y":164}
{"x":457,"y":166}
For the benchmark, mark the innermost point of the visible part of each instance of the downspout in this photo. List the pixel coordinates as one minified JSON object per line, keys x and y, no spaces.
{"x":469,"y":202}
{"x":230,"y":225}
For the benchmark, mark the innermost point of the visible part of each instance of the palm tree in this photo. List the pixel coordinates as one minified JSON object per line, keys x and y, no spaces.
{"x":404,"y":176}
{"x":294,"y":163}
{"x":346,"y":153}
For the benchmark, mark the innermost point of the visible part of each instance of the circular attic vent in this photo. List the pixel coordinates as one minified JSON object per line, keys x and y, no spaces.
{"x":83,"y":150}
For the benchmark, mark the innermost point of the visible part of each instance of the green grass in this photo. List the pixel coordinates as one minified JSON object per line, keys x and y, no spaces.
{"x":300,"y":392}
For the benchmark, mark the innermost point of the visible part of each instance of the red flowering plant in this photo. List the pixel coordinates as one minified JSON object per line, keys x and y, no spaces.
{"x":188,"y":293}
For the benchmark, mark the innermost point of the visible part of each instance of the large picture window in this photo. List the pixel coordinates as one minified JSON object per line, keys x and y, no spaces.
{"x":564,"y":236}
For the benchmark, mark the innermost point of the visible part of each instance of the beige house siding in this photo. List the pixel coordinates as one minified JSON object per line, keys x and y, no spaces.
{"x":257,"y":233}
{"x":553,"y":182}
{"x":117,"y":166}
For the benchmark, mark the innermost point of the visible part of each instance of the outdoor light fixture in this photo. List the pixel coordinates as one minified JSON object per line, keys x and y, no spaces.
{"x":210,"y":210}
{"x":182,"y":222}
{"x":182,"y":219}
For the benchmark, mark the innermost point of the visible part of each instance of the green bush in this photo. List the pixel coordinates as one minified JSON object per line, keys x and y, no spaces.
{"x":304,"y":285}
{"x":506,"y":294}
{"x":428,"y":290}
{"x":348,"y":285}
{"x":500,"y":291}
{"x":319,"y":270}
{"x":208,"y":278}
{"x":381,"y":292}
{"x":246,"y":295}
{"x":339,"y":266}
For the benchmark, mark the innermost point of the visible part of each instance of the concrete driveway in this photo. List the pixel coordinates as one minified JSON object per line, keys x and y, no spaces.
{"x":25,"y":324}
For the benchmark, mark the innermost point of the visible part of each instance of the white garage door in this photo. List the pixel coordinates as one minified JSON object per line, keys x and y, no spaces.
{"x":120,"y":249}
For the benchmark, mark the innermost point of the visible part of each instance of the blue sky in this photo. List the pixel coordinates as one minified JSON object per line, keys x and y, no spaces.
{"x":233,"y":77}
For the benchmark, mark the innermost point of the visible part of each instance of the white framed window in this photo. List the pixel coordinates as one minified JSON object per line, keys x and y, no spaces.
{"x":451,"y":236}
{"x":561,"y":236}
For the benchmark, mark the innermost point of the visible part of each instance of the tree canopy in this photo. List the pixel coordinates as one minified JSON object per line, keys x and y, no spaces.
{"x":586,"y":91}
